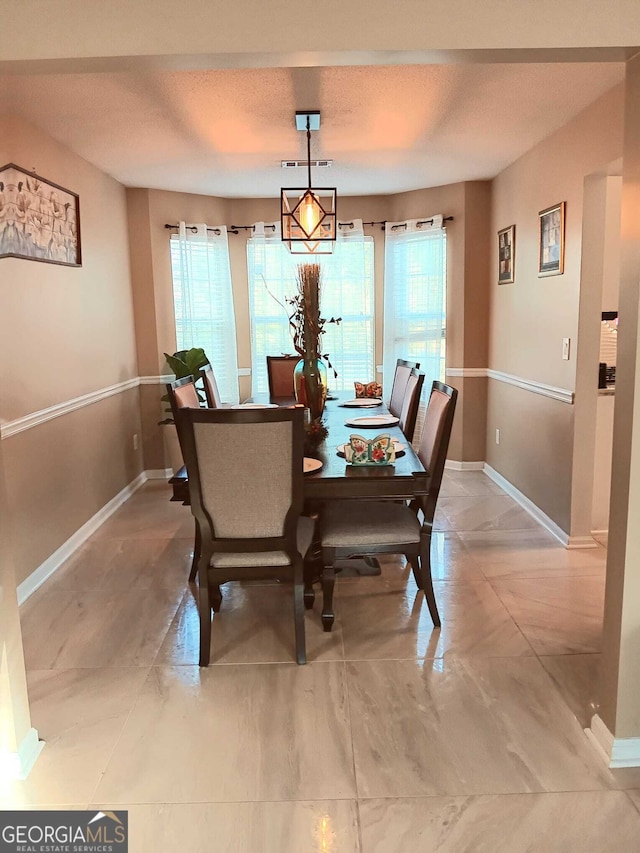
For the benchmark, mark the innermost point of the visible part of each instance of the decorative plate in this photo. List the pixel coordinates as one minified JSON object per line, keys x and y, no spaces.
{"x":255,"y":406}
{"x":373,"y":421}
{"x":362,"y":402}
{"x":310,"y":465}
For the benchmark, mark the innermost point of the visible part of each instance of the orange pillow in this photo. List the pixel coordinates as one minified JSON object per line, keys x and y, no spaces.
{"x":368,"y":389}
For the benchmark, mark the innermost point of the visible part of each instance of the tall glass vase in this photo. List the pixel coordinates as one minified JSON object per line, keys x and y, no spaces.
{"x":310,"y":384}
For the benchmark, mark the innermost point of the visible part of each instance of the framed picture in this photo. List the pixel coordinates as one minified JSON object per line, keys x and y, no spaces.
{"x":551,"y":240}
{"x":39,"y":220}
{"x":506,"y":255}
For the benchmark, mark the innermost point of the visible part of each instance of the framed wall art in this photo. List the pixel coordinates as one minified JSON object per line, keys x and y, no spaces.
{"x":506,"y":255}
{"x":551,"y":240}
{"x":39,"y":220}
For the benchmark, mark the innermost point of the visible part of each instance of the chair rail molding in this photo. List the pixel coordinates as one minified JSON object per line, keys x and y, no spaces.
{"x":467,"y":372}
{"x":33,"y":419}
{"x":156,"y":380}
{"x":9,"y":428}
{"x":564,"y":395}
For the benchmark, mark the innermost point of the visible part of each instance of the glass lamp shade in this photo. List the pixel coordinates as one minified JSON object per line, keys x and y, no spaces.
{"x":308,"y":219}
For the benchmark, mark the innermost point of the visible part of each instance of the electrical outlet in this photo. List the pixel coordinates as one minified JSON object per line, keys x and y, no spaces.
{"x":497,"y":436}
{"x":566,"y":345}
{"x":135,"y":441}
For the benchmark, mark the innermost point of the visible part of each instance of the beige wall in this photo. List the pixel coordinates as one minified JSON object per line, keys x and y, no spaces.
{"x":15,"y":720}
{"x":65,"y":332}
{"x":530,"y":318}
{"x":467,"y":259}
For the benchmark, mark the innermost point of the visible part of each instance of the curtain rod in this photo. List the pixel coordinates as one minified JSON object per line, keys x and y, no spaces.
{"x":235,"y":229}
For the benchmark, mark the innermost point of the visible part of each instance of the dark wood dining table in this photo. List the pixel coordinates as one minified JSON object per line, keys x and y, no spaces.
{"x":404,"y":479}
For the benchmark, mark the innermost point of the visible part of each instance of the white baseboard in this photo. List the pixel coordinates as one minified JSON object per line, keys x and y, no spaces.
{"x":528,"y":505}
{"x":159,"y":473}
{"x":453,"y":465}
{"x":575,"y":542}
{"x":18,"y":765}
{"x":45,"y":570}
{"x":617,"y":752}
{"x":569,"y":542}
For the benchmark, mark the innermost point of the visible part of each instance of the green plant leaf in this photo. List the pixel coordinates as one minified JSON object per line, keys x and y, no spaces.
{"x":195,"y":358}
{"x":177,"y":366}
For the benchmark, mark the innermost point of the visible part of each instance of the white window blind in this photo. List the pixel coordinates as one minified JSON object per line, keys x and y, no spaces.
{"x":415,"y":299}
{"x":347,"y":291}
{"x":203,"y":301}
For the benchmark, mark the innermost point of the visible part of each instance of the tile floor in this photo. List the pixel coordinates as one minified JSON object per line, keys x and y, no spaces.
{"x":395,"y":738}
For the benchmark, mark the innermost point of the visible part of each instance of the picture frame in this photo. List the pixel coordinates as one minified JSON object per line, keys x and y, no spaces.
{"x":39,"y":220}
{"x":551,"y":240}
{"x":506,"y":255}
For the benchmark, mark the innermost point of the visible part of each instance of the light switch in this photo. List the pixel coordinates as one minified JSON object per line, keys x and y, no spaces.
{"x":566,"y":344}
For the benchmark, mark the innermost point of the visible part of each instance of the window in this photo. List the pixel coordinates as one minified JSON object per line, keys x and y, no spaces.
{"x":347,"y":291}
{"x":203,"y":301}
{"x":415,"y":298}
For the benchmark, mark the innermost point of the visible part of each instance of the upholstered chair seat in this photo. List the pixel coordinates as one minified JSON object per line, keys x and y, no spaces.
{"x":361,"y":524}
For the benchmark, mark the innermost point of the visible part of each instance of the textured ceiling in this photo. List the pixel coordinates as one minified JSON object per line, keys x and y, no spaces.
{"x":386,"y":128}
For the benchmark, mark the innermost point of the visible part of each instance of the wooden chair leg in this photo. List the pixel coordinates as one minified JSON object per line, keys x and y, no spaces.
{"x":425,"y":575}
{"x":312,"y":571}
{"x":298,"y":615}
{"x":412,"y":559}
{"x":204,"y":608}
{"x":328,"y":582}
{"x":197,"y":547}
{"x":216,"y":598}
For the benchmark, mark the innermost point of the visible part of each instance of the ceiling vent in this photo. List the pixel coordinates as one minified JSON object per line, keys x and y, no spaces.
{"x":294,"y":164}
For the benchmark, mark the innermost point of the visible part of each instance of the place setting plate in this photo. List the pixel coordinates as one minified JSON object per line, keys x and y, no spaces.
{"x":362,"y":403}
{"x":373,"y":421}
{"x":399,"y":446}
{"x":311,"y":465}
{"x":255,"y":406}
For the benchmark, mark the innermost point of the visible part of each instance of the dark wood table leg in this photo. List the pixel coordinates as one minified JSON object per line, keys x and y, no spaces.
{"x":328,"y":582}
{"x":309,"y":595}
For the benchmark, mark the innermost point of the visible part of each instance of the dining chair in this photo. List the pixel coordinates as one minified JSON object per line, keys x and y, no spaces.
{"x":410,"y":403}
{"x":245,"y":472}
{"x":183,"y":394}
{"x":280,"y":372}
{"x":386,"y":527}
{"x":400,"y":379}
{"x":211,"y":387}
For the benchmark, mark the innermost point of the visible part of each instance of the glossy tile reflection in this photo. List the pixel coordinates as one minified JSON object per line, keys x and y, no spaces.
{"x":270,"y":732}
{"x":576,"y":677}
{"x":318,"y":826}
{"x":255,"y":624}
{"x":80,"y":714}
{"x":466,"y":727}
{"x":395,"y":737}
{"x":529,"y":554}
{"x":558,"y":616}
{"x":379,"y":622}
{"x":594,"y":821}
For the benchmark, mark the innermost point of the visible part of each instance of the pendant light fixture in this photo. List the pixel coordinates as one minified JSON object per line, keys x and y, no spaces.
{"x":308,"y":216}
